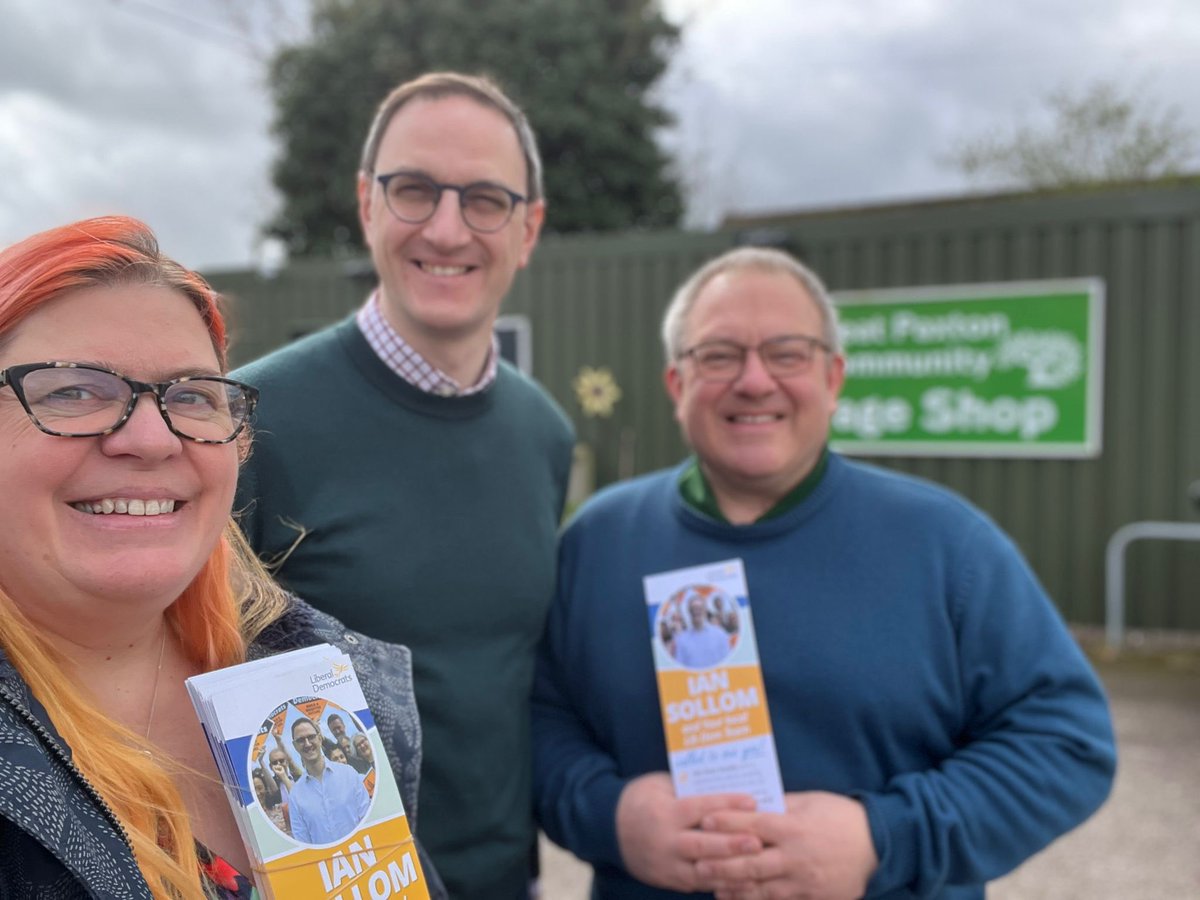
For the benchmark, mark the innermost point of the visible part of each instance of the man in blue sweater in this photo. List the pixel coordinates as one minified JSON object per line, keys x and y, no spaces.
{"x":935,"y":722}
{"x":406,"y":476}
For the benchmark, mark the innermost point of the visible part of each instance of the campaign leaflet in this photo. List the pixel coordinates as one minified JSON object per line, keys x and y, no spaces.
{"x":275,"y":724}
{"x":710,"y":685}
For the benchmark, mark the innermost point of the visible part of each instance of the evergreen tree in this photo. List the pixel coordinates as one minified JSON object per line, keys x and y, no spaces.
{"x":581,"y":69}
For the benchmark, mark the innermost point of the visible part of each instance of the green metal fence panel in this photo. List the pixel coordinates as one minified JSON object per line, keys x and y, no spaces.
{"x":596,"y":301}
{"x":1143,"y":244}
{"x":269,"y":311}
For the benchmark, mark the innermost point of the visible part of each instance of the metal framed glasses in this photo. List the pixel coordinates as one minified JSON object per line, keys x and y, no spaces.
{"x":74,"y":400}
{"x":782,"y":357}
{"x":414,"y":196}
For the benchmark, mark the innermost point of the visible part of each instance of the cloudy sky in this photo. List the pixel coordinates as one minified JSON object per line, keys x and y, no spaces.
{"x":156,"y":108}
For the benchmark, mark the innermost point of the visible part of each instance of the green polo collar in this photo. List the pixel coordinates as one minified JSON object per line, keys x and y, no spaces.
{"x":696,"y":493}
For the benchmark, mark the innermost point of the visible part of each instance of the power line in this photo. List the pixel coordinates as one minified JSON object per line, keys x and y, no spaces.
{"x":185,"y":24}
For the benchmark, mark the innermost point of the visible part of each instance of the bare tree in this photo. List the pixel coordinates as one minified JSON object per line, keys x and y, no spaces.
{"x":267,"y":25}
{"x":1100,"y":134}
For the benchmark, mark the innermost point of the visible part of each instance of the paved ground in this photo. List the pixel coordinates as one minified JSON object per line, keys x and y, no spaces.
{"x":1144,"y":844}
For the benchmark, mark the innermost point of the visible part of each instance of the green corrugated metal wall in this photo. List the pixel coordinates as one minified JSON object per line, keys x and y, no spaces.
{"x":597,"y":302}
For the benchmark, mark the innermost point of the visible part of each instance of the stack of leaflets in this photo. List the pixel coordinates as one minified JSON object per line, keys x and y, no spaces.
{"x":308,"y":779}
{"x":710,"y":684}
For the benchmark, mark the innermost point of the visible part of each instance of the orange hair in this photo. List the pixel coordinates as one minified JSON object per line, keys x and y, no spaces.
{"x":228,"y":602}
{"x":103,"y":252}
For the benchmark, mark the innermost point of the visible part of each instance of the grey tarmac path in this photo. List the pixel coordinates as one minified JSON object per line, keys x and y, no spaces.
{"x":1144,"y":843}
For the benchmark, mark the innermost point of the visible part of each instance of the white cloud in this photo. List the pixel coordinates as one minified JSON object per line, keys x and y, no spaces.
{"x":157,"y":108}
{"x":113,"y":107}
{"x":789,"y":105}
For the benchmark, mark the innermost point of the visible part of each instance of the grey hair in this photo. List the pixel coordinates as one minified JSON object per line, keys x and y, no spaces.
{"x":741,"y":259}
{"x":438,"y":86}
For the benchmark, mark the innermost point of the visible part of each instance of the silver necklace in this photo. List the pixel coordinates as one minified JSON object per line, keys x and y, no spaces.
{"x":162,"y":646}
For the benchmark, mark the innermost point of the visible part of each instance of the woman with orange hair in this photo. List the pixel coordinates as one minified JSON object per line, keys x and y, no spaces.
{"x":121,"y":574}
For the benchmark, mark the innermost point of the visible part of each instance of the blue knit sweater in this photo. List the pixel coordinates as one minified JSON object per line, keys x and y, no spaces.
{"x":911,"y":660}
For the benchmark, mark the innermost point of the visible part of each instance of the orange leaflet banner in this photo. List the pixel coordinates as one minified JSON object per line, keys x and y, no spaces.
{"x":312,"y":708}
{"x":375,"y":862}
{"x":703,"y":708}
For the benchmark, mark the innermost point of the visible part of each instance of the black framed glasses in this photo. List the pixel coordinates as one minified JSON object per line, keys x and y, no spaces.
{"x":414,"y":196}
{"x":75,"y":400}
{"x":305,"y":739}
{"x":782,"y":357}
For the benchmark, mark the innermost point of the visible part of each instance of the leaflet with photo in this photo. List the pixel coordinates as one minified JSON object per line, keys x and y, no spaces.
{"x":710,"y":684}
{"x":308,"y":779}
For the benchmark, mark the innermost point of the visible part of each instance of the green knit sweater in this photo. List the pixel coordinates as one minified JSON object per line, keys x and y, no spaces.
{"x":431,"y":522}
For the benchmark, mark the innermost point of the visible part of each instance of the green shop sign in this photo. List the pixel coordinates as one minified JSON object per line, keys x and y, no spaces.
{"x":1010,"y":369}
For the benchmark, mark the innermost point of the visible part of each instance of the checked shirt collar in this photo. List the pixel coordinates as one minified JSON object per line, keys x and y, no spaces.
{"x":399,"y":356}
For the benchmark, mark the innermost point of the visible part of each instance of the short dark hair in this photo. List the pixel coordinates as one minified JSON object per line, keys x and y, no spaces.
{"x":438,"y":86}
{"x":304,"y":721}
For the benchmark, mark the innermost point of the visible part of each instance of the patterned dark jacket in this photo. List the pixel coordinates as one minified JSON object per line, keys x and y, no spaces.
{"x":59,"y":841}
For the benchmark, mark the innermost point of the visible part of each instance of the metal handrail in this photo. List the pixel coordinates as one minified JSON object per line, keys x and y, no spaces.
{"x":1114,"y":567}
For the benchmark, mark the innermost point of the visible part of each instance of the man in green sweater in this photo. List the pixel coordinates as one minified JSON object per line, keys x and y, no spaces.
{"x":408,"y":480}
